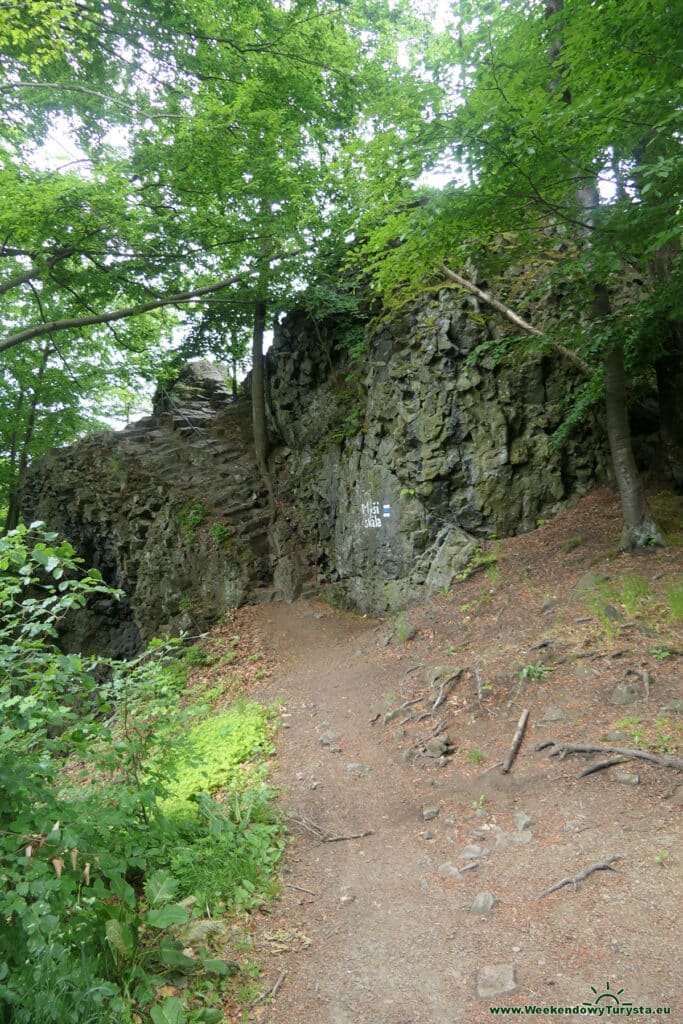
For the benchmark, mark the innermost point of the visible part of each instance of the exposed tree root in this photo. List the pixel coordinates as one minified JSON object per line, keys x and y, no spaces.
{"x":573,"y":880}
{"x":562,"y":749}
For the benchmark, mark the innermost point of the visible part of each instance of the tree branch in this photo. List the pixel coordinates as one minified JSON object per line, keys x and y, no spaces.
{"x":70,"y":323}
{"x":513,"y":317}
{"x":33,"y":271}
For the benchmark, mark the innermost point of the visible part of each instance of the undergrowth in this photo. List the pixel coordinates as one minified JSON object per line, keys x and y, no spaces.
{"x":116,"y":849}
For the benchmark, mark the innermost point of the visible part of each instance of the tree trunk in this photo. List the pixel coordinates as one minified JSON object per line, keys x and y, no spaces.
{"x":639,"y":529}
{"x":258,"y":389}
{"x":19,"y":455}
{"x":669,"y":369}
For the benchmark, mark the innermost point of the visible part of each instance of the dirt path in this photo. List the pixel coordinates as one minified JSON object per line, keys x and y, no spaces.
{"x":384,"y":937}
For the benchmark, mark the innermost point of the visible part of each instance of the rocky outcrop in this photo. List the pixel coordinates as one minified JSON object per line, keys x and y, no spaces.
{"x":388,"y":472}
{"x":170,"y":510}
{"x":394,"y":468}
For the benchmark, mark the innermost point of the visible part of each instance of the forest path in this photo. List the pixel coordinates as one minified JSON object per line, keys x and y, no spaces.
{"x":380,"y":948}
{"x":387,"y":933}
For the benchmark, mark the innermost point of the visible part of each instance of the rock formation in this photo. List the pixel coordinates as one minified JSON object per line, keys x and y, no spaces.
{"x":388,"y":472}
{"x":394,"y":468}
{"x":170,"y":510}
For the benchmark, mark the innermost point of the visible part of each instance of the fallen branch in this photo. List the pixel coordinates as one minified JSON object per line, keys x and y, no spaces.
{"x":573,"y":880}
{"x":300,"y":888}
{"x":480,"y":688}
{"x":593,"y":655}
{"x":601,"y":765}
{"x":562,"y":749}
{"x":271,"y":993}
{"x":445,"y":689}
{"x":516,"y":741}
{"x":326,"y":837}
{"x":513,"y":317}
{"x":342,"y":839}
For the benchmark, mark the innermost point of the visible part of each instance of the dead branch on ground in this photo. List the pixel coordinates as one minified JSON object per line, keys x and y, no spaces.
{"x":322,"y":835}
{"x":516,"y":741}
{"x":562,"y":749}
{"x":271,"y":993}
{"x":573,"y":880}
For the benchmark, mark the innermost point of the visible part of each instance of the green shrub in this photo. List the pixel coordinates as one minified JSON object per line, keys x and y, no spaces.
{"x":88,"y":908}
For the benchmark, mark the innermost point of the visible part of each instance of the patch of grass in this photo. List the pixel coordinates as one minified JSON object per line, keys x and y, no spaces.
{"x":404,"y":630}
{"x":195,"y":656}
{"x":572,"y":543}
{"x":660,"y":653}
{"x":487,"y":560}
{"x":192,"y":515}
{"x":674,"y":597}
{"x":667,"y":735}
{"x":232,"y":864}
{"x":595,"y":604}
{"x":632,"y":592}
{"x":662,"y":735}
{"x":537,"y":671}
{"x":475,"y":756}
{"x":212,"y":753}
{"x":220,"y":533}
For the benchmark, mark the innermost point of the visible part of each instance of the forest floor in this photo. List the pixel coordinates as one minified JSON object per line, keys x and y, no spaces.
{"x":413,"y":881}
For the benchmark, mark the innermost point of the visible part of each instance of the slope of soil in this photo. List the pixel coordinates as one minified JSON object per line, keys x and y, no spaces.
{"x":381,"y":929}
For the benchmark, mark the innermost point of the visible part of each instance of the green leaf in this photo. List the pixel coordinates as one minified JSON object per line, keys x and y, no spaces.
{"x":222,"y":967}
{"x":171,"y":1012}
{"x":164,"y":917}
{"x":160,"y":887}
{"x":120,"y":937}
{"x":176,"y":958}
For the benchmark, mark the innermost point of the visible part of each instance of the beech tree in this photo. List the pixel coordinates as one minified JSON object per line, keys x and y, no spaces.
{"x":209,"y":134}
{"x":548,"y":101}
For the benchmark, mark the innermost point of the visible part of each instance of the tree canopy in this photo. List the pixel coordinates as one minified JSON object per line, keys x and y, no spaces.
{"x":228,"y":152}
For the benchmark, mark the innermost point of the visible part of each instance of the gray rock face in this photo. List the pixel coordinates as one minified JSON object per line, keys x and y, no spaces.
{"x":170,"y":510}
{"x":388,"y":473}
{"x":393,"y":469}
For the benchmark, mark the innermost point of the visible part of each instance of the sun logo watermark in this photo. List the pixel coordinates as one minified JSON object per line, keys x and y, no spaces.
{"x":608,"y":997}
{"x":607,"y":1003}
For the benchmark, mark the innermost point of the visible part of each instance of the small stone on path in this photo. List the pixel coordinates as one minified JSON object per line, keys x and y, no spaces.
{"x":625,"y":693}
{"x":627,"y":778}
{"x":449,"y":870}
{"x":429,"y":813}
{"x":472,"y":852}
{"x":328,"y":738}
{"x":522,"y":820}
{"x":483,"y":903}
{"x":496,"y":980}
{"x":554,"y":714}
{"x":512,"y":838}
